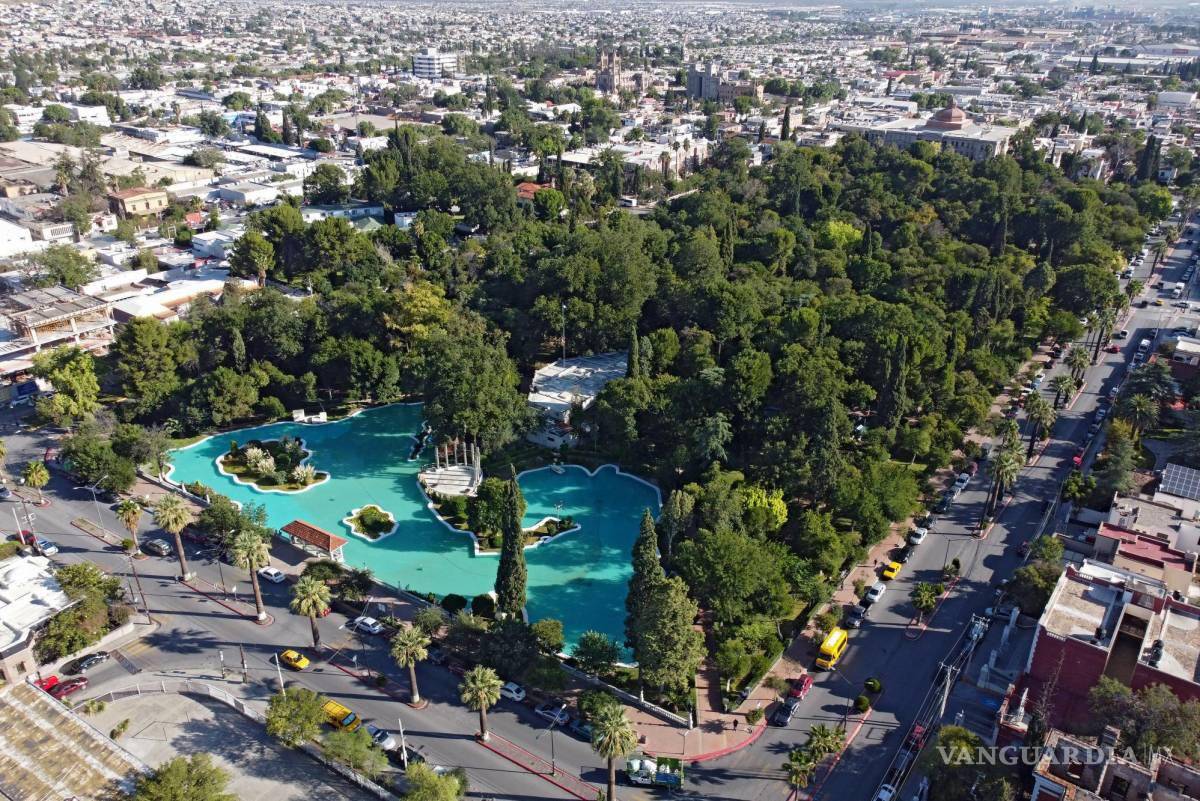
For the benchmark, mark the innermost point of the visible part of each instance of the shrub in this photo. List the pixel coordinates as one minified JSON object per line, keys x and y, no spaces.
{"x":372,"y":521}
{"x":127,"y":544}
{"x":777,"y":683}
{"x":483,"y":606}
{"x":860,"y":587}
{"x":92,"y":706}
{"x":272,"y":408}
{"x":873,"y":685}
{"x":454,"y":603}
{"x":119,"y":729}
{"x":454,"y":508}
{"x":862,"y":703}
{"x":754,"y":715}
{"x":381,"y":680}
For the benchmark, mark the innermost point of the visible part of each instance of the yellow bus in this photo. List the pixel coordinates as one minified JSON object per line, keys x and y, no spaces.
{"x":832,"y":648}
{"x":341,"y":717}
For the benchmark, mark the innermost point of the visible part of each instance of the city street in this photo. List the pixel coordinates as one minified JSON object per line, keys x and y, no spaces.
{"x":902,"y":657}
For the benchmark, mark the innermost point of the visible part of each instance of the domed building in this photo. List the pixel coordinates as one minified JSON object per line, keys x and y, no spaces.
{"x":951,"y":127}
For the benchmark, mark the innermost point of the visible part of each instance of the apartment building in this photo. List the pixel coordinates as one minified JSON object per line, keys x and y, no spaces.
{"x":432,"y":64}
{"x":139,"y":201}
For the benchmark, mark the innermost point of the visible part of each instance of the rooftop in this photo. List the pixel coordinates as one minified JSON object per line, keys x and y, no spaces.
{"x":560,"y":385}
{"x":1181,"y":481}
{"x":29,"y":595}
{"x":37,"y":306}
{"x":307,"y":532}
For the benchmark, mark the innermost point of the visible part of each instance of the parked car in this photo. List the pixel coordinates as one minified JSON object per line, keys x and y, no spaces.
{"x":1077,"y":459}
{"x":554,"y":711}
{"x":403,"y":756}
{"x":971,"y":469}
{"x":786,"y":711}
{"x":886,"y":793}
{"x":927,"y":520}
{"x":905,"y":553}
{"x":47,"y":683}
{"x":1122,"y":334}
{"x":368,"y":624}
{"x":917,"y":535}
{"x":801,"y":685}
{"x":69,"y":687}
{"x":272,"y":574}
{"x":943,"y":504}
{"x":891,"y":570}
{"x":581,"y":729}
{"x":963,"y":479}
{"x":1113,"y":348}
{"x":1113,"y":393}
{"x":158,"y":548}
{"x":513,"y":691}
{"x":5,"y":493}
{"x":382,"y":737}
{"x":85,"y":663}
{"x":855,"y":616}
{"x":45,"y":547}
{"x":875,"y":592}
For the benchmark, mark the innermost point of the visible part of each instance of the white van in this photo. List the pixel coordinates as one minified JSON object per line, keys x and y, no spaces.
{"x":1143,"y":347}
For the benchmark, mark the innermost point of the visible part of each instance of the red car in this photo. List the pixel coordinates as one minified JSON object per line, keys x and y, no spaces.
{"x":1077,"y":459}
{"x":801,"y":685}
{"x":1113,"y":348}
{"x":63,"y":689}
{"x":47,"y":683}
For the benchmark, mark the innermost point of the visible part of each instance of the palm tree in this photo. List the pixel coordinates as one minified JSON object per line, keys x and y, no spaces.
{"x":1077,"y":361}
{"x":612,"y":738}
{"x":1160,"y":249}
{"x":37,"y":476}
{"x":1104,"y":323}
{"x":925,"y":597}
{"x":480,"y":689}
{"x":1042,"y":415}
{"x":250,"y":552}
{"x":310,"y":597}
{"x":173,"y":515}
{"x":129,"y":512}
{"x":800,"y":768}
{"x":825,"y":740}
{"x":1140,"y":410}
{"x":408,"y":648}
{"x":1005,"y":469}
{"x":1062,"y":384}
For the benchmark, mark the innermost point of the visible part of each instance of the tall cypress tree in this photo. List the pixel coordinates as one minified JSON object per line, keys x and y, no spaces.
{"x":647,"y":575}
{"x":511,"y":574}
{"x":634,"y":367}
{"x":785,"y":127}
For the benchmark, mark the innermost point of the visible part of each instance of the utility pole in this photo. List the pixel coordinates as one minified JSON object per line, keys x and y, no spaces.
{"x":245,"y":670}
{"x":279,"y":675}
{"x":137,"y":580}
{"x":948,"y":683}
{"x":403,"y":744}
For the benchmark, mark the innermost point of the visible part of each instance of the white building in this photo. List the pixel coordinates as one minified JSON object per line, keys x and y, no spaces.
{"x":24,"y":117}
{"x":950,"y":127}
{"x":431,"y":64}
{"x":14,"y":239}
{"x":29,"y":596}
{"x":1176,"y":101}
{"x":249,"y":193}
{"x":96,"y":115}
{"x":559,"y":387}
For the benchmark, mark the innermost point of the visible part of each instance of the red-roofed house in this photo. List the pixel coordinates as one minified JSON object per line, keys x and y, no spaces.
{"x":309,"y":538}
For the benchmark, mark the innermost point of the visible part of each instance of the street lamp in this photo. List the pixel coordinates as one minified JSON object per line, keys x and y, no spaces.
{"x":550,"y":728}
{"x":92,"y":489}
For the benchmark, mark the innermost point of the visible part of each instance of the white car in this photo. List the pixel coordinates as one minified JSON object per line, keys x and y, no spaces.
{"x":382,"y":737}
{"x":918,"y":535}
{"x":962,"y":481}
{"x":886,"y":793}
{"x":875,"y":592}
{"x":363,"y":623}
{"x":513,"y":691}
{"x":271,"y":574}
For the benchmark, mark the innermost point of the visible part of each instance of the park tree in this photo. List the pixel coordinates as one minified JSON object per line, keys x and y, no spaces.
{"x":423,"y":783}
{"x":71,"y":371}
{"x":253,"y":257}
{"x":193,"y":778}
{"x":511,"y":573}
{"x":668,"y":648}
{"x":326,"y":184}
{"x":251,"y":552}
{"x":647,"y":575}
{"x":295,"y":716}
{"x":356,"y":750}
{"x":596,"y":653}
{"x":148,"y":355}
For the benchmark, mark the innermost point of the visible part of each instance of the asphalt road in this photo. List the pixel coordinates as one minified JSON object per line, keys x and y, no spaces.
{"x":905,"y":658}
